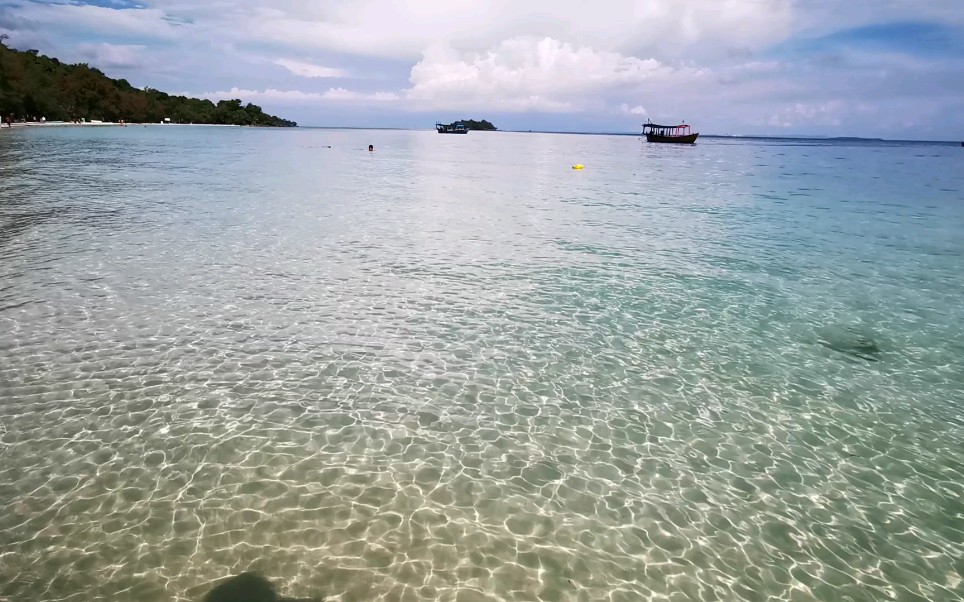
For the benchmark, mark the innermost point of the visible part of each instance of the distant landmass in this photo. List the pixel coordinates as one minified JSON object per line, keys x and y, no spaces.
{"x":33,"y":86}
{"x":483,"y":125}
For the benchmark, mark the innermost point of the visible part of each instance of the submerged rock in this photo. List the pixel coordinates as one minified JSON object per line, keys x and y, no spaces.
{"x":852,"y":340}
{"x":249,"y":587}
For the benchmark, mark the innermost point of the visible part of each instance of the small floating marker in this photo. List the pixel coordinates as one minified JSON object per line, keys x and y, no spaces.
{"x":578,"y":166}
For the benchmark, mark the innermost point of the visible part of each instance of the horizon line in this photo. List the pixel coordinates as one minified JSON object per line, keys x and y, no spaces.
{"x":817,"y":137}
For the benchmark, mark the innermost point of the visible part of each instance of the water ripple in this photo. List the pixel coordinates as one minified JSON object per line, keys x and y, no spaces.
{"x":438,"y":373}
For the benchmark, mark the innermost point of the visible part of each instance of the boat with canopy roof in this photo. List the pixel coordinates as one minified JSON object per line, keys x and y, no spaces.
{"x":678,"y":134}
{"x":451,"y":128}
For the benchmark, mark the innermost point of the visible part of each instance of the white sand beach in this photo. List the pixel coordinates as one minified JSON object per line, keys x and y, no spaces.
{"x":36,"y":124}
{"x":32,"y":124}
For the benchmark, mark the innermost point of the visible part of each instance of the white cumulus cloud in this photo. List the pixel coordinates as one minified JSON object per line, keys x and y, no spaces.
{"x":524,"y":74}
{"x":309,"y":69}
{"x":637,"y":110}
{"x":144,"y":22}
{"x":799,"y":114}
{"x":349,"y":95}
{"x":403,"y":29}
{"x":296,"y":96}
{"x":268,"y":94}
{"x":113,"y":55}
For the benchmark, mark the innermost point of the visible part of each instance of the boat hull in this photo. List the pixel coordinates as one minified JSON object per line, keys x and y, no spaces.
{"x":452,"y":131}
{"x":687,"y":139}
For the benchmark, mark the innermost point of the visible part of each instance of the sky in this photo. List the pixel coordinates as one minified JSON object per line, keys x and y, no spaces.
{"x":874,"y":68}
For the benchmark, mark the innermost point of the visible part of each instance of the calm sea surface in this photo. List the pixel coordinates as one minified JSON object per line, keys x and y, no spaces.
{"x":456,"y":369}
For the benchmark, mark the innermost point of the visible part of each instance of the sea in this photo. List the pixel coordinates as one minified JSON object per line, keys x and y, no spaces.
{"x":457,"y":369}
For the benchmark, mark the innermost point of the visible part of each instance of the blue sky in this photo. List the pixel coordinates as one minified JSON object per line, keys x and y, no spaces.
{"x":885,"y":68}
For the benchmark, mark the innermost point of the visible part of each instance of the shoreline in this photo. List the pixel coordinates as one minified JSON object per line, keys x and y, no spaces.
{"x":33,"y":124}
{"x":43,"y":124}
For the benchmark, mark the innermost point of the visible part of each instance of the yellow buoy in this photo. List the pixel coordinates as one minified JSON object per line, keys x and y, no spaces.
{"x":578,"y":166}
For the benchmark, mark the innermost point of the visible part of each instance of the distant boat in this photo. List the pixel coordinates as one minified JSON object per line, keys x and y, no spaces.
{"x":452,"y":128}
{"x":678,"y":134}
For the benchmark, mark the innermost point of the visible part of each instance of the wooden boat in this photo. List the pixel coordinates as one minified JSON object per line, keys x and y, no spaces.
{"x":451,"y":128}
{"x":677,"y":134}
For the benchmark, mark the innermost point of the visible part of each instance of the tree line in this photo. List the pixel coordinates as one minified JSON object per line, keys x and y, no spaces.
{"x":34,"y":86}
{"x":483,"y":125}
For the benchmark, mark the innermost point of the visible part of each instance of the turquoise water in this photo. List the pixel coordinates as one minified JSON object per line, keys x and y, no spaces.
{"x":456,"y":369}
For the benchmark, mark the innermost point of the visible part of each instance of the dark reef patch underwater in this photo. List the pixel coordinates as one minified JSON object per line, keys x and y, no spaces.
{"x":854,"y":341}
{"x":249,"y":587}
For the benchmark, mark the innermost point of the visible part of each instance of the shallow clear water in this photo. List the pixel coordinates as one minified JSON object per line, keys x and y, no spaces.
{"x":457,"y":369}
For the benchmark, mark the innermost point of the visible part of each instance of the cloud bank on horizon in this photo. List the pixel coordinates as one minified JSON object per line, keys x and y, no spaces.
{"x":889,"y":68}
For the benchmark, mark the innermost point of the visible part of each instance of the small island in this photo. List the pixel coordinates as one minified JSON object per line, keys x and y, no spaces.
{"x":481,"y":126}
{"x":36,"y":87}
{"x":462,"y":126}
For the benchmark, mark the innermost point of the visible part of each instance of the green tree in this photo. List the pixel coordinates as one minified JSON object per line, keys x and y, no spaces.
{"x":33,"y":85}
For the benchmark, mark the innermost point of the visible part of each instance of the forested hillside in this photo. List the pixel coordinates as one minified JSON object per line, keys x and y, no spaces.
{"x":482,"y":125}
{"x":34,"y":86}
